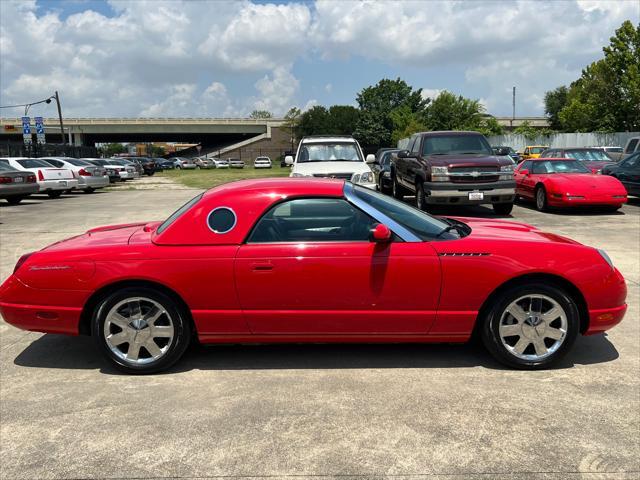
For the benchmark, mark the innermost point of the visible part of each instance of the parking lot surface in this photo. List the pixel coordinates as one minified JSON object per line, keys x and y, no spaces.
{"x":361,"y":411}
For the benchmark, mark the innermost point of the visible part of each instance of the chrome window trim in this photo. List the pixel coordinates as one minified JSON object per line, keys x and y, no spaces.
{"x":235,"y":220}
{"x":404,"y":233}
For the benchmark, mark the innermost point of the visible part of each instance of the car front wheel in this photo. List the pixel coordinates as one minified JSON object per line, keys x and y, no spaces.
{"x":141,"y":330}
{"x":14,"y":200}
{"x":421,"y":197}
{"x":396,"y":189}
{"x":531,"y":326}
{"x":502,"y":208}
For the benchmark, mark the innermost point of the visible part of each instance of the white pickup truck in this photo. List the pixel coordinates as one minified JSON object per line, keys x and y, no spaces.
{"x":332,"y":157}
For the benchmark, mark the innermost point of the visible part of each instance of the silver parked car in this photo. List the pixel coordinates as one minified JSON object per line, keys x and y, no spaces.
{"x":15,"y":184}
{"x":204,"y":162}
{"x":236,"y":163}
{"x":184,"y":163}
{"x":262,"y":162}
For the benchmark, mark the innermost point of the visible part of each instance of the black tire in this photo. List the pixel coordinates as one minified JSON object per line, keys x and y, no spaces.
{"x":396,"y":190}
{"x":502,"y":208}
{"x":14,"y":200}
{"x":89,"y":190}
{"x":421,"y":197}
{"x":150,"y":174}
{"x":381,"y":187}
{"x":540,"y":199}
{"x":55,"y":194}
{"x":490,"y":327}
{"x":175,"y":314}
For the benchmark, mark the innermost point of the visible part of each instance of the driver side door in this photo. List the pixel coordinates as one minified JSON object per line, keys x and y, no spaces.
{"x":309,"y":268}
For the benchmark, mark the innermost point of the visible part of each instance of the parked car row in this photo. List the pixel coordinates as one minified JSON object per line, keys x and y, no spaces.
{"x":215,"y":162}
{"x":22,"y":176}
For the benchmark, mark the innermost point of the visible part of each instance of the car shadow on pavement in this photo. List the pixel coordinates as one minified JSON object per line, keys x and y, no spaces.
{"x":24,"y":203}
{"x":59,"y":351}
{"x":583,"y":211}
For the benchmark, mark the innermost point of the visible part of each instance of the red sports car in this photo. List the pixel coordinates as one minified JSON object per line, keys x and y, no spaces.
{"x":559,"y":182}
{"x":304,"y":260}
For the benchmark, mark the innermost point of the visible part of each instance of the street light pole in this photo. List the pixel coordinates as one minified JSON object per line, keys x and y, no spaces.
{"x":57,"y":97}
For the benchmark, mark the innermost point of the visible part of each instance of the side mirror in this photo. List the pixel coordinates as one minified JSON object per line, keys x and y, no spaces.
{"x":403,"y":154}
{"x":380,"y":233}
{"x":288,"y":160}
{"x":524,"y":172}
{"x":371,"y":158}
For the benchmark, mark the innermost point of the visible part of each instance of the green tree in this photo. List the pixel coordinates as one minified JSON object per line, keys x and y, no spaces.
{"x":454,"y":112}
{"x":314,"y":121}
{"x":606,"y":97}
{"x":110,"y":149}
{"x":261,"y":114}
{"x":377,"y":104}
{"x":405,"y":123}
{"x":342,"y":119}
{"x":527,"y":130}
{"x":157,"y":151}
{"x":291,"y":119}
{"x":554,"y":102}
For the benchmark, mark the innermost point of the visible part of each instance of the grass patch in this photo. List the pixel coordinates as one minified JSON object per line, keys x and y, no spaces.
{"x":211,"y":178}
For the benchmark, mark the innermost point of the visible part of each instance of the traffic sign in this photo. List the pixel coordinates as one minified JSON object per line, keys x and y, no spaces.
{"x":40,"y":130}
{"x":26,"y":130}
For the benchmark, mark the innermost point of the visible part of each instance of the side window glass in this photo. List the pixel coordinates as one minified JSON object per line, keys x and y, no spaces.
{"x":313,"y":220}
{"x":416,"y":145}
{"x":410,"y":146}
{"x":632,"y":146}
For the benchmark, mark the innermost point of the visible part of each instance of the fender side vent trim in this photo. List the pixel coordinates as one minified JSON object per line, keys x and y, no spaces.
{"x":464,"y":254}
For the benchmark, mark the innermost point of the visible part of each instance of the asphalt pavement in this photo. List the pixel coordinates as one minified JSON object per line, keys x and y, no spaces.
{"x":292,"y":411}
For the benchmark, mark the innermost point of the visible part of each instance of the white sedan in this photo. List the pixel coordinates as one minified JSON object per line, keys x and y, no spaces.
{"x":51,"y":180}
{"x":90,"y":177}
{"x":262,"y":162}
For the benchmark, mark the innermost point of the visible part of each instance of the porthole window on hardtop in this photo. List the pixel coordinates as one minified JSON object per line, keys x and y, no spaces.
{"x":221,"y":220}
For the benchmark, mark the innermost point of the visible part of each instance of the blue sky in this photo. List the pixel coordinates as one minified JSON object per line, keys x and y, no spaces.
{"x":219,"y":58}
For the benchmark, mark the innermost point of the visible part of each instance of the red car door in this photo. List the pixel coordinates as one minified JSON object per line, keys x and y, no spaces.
{"x":525,"y":184}
{"x":309,"y":268}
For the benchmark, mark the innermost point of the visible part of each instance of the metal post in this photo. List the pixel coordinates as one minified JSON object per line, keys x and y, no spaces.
{"x":513,"y":117}
{"x":64,"y":140}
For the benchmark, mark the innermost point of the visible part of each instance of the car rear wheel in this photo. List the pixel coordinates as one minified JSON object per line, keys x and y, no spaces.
{"x":502,"y":208}
{"x":55,"y":194}
{"x":541,"y":199}
{"x":89,"y":190}
{"x":14,"y":200}
{"x":141,"y":330}
{"x":531,"y":326}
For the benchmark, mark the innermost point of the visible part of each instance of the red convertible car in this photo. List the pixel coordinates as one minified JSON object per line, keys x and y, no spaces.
{"x":560,"y":182}
{"x":304,"y":260}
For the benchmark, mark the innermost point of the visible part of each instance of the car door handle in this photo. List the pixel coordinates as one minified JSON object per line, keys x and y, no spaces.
{"x":261,"y":267}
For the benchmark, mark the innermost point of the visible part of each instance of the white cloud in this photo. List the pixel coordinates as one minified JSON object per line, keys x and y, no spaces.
{"x":431,"y":93}
{"x":276,"y":91}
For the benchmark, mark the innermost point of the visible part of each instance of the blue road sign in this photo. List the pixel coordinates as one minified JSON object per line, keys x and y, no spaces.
{"x":39,"y":125}
{"x":26,"y":126}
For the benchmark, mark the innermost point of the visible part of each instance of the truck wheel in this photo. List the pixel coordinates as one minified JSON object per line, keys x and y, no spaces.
{"x":421,"y":197}
{"x":396,"y":189}
{"x":502,"y":208}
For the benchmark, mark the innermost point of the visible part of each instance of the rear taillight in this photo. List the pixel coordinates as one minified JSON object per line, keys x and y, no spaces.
{"x":40,"y":176}
{"x":6,"y":179}
{"x":84,"y":173}
{"x":21,"y":260}
{"x":31,"y":179}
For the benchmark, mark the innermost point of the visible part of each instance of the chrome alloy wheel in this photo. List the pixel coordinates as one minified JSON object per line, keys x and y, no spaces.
{"x":138,"y":330}
{"x":541,"y":200}
{"x":533,"y":327}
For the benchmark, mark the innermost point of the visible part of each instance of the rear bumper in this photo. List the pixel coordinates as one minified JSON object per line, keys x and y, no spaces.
{"x":51,"y":185}
{"x":496,"y":192}
{"x":93,"y":182}
{"x":262,"y":165}
{"x":18,"y":189}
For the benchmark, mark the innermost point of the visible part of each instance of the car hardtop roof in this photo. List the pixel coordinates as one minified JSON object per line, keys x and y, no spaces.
{"x":553,"y":159}
{"x":280,"y":187}
{"x":537,"y":146}
{"x":325,"y":138}
{"x":578,"y":148}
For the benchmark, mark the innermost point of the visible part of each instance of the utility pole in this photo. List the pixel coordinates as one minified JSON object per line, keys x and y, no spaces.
{"x":513,"y":116}
{"x":57,"y":97}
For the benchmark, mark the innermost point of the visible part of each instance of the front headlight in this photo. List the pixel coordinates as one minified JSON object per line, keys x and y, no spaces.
{"x":606,"y":257}
{"x":439,"y":171}
{"x":366,"y":177}
{"x":507,"y":168}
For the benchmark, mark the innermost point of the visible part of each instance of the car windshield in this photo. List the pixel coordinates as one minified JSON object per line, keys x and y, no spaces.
{"x":78,"y":163}
{"x":34,"y":163}
{"x":119,"y":162}
{"x":421,"y":224}
{"x":560,"y":166}
{"x":588,"y":155}
{"x":537,"y":150}
{"x":456,"y":144}
{"x":329,"y":152}
{"x":613,"y":149}
{"x":7,"y":168}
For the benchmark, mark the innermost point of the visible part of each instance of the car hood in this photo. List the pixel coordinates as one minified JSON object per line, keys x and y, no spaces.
{"x":579,"y":183}
{"x":312,"y":168}
{"x":469,"y":160}
{"x":491,"y":230}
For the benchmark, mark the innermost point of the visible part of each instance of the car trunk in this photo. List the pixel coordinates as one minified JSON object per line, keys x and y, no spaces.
{"x":56,"y":173}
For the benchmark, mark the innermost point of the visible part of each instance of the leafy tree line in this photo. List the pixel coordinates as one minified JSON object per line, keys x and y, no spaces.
{"x":392,"y":110}
{"x":606,"y":97}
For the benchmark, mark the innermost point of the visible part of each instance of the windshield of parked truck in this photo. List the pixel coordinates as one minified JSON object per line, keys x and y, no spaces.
{"x":329,"y":152}
{"x":588,"y":155}
{"x":456,"y":145}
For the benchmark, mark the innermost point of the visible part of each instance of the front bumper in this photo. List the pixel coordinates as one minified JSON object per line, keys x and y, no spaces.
{"x":592,"y":201}
{"x":605,"y":319}
{"x":503,"y":191}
